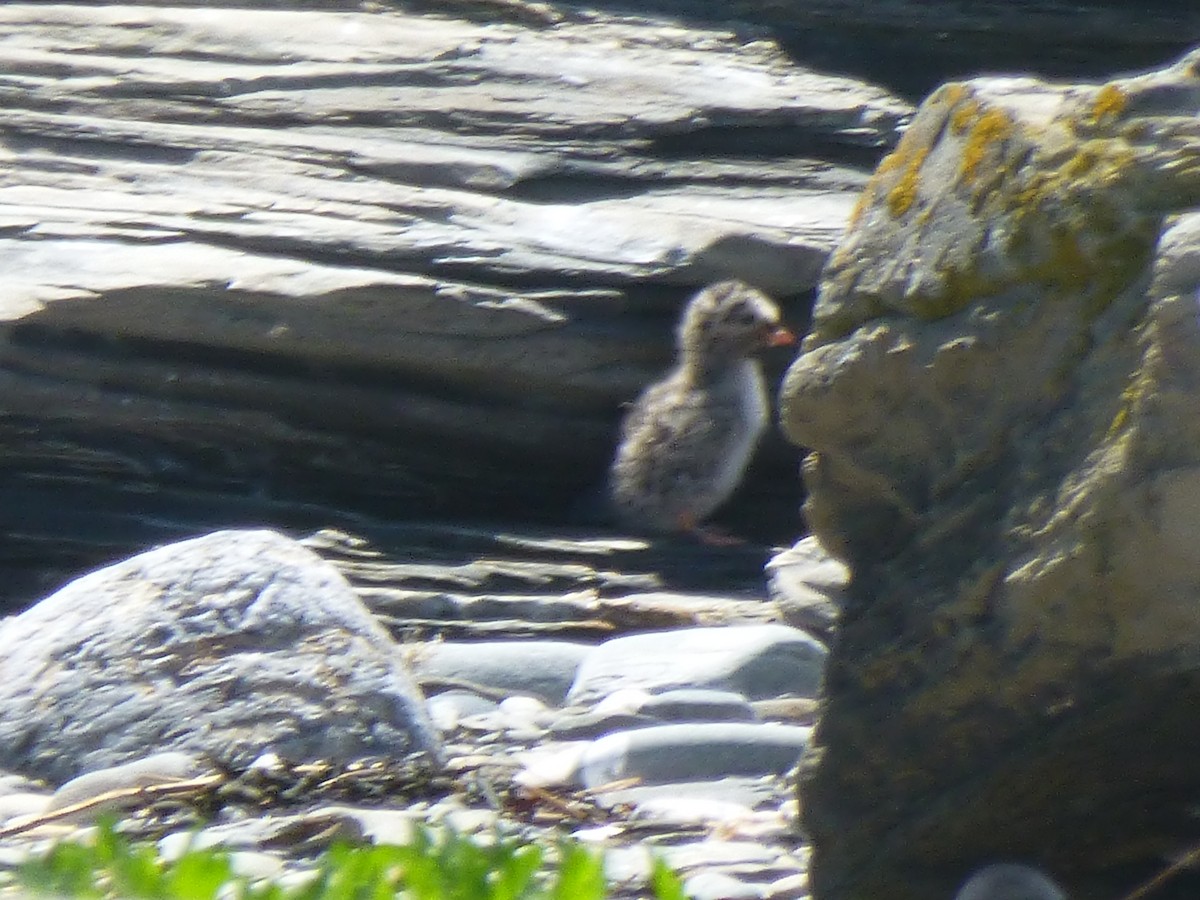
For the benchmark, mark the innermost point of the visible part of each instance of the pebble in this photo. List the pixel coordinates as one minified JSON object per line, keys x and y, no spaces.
{"x":697,"y":705}
{"x":755,"y":661}
{"x":702,"y":801}
{"x":21,"y":805}
{"x":543,"y":669}
{"x":448,"y":709}
{"x":1010,"y":881}
{"x":670,"y":753}
{"x":809,"y":586}
{"x":719,"y":886}
{"x":156,"y":769}
{"x":633,"y":708}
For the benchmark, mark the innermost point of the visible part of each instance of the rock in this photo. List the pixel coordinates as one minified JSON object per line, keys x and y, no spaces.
{"x":666,"y":753}
{"x":544,"y":669}
{"x":717,"y":868}
{"x":155,"y":769}
{"x":222,"y":646}
{"x":634,"y":708}
{"x":719,"y":886}
{"x":1009,"y":881}
{"x":913,"y":46}
{"x":808,"y":585}
{"x":755,"y":661}
{"x":697,"y":705}
{"x":728,"y":802}
{"x":372,"y":260}
{"x":18,"y":806}
{"x":449,"y":708}
{"x":1000,"y":391}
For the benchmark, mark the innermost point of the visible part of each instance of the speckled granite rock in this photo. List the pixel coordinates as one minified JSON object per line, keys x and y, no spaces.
{"x":1007,"y":452}
{"x":225,"y":646}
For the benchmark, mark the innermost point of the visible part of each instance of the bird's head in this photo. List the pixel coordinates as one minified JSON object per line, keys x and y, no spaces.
{"x":727,"y":322}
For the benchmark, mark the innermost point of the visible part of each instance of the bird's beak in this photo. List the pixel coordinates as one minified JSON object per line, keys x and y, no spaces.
{"x":780,"y":337}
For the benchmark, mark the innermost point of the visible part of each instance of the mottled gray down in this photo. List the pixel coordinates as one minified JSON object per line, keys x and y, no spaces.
{"x":228,"y":644}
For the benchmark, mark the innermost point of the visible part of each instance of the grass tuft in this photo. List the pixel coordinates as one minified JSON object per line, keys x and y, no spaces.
{"x":440,"y":865}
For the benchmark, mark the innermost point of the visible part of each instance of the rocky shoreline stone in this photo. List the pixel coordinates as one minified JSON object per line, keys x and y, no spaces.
{"x":224,"y":646}
{"x":999,"y":396}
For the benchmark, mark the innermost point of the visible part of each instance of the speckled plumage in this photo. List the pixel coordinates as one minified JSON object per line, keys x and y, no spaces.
{"x":685,"y":443}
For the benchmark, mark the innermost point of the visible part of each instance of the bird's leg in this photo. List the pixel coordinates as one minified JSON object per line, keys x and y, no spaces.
{"x":712,"y":537}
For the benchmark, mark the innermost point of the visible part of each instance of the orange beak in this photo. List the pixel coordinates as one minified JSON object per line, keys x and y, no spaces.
{"x":780,"y":337}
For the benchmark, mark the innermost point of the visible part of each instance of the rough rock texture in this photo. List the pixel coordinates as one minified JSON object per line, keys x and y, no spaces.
{"x":1007,"y":452}
{"x":270,"y":262}
{"x":226,"y":645}
{"x":377,"y":260}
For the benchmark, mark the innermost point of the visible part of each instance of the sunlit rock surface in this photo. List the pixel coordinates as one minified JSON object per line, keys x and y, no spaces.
{"x":1000,"y":391}
{"x":227,"y":646}
{"x":379,"y":260}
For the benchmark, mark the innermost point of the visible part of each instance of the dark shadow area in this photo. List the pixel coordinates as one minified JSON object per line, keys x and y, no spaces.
{"x":911,"y":46}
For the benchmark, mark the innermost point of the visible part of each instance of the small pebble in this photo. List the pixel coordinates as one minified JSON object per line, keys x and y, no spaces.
{"x":719,"y":886}
{"x":448,"y":709}
{"x":809,"y":586}
{"x":156,"y":769}
{"x":545,"y":669}
{"x":1009,"y":881}
{"x":691,"y":752}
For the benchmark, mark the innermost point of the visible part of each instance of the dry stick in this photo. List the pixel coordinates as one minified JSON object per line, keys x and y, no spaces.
{"x":148,"y":792}
{"x":1186,"y":861}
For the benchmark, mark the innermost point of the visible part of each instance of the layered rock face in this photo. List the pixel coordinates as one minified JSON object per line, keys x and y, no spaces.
{"x":1000,"y":395}
{"x":376,"y":260}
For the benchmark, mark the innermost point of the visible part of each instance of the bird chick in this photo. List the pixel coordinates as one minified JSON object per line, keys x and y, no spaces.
{"x":685,"y":443}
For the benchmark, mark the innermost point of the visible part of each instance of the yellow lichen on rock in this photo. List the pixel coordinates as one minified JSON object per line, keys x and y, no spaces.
{"x":1110,"y":102}
{"x":906,"y":159}
{"x":988,"y":130}
{"x":964,"y":115}
{"x":902,"y":196}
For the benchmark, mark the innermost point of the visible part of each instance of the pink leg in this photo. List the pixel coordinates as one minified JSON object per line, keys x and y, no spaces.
{"x":712,"y":537}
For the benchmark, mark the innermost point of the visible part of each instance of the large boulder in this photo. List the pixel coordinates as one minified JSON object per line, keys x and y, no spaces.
{"x":225,"y":646}
{"x":1000,"y":394}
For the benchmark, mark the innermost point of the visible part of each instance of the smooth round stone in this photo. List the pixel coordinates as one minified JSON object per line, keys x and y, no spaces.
{"x":579,"y":725}
{"x":698,"y":705}
{"x":255,"y":864}
{"x":379,"y":826}
{"x":635,"y":708}
{"x":668,"y":753}
{"x":449,"y":708}
{"x":158,"y":768}
{"x":749,"y":792}
{"x":1009,"y":881}
{"x":719,"y":886}
{"x":19,"y":805}
{"x":525,"y":712}
{"x":756,"y":661}
{"x":690,"y":810}
{"x":545,"y":669}
{"x":808,"y":585}
{"x":224,"y":646}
